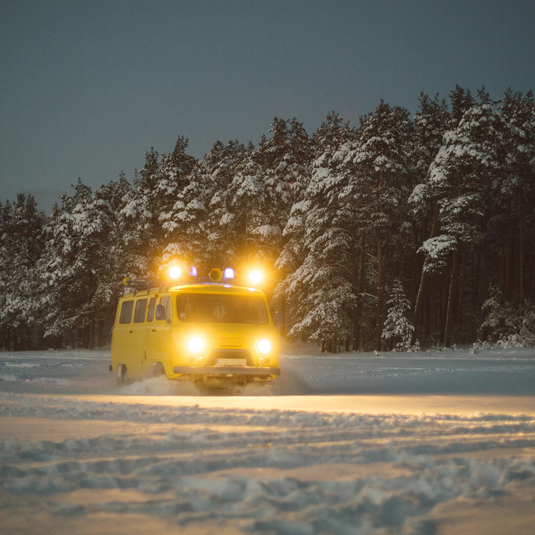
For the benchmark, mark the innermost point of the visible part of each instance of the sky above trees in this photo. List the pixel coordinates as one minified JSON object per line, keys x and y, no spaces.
{"x":88,"y":88}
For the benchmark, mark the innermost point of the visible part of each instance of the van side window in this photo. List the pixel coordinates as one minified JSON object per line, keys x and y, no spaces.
{"x":152,"y":306}
{"x":139,"y":314}
{"x":126,"y":312}
{"x":166,"y":302}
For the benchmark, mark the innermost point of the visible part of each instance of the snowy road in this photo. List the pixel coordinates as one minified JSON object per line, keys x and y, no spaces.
{"x":436,"y":442}
{"x":305,"y":372}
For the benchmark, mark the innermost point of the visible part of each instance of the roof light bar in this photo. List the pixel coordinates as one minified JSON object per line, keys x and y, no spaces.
{"x":228,"y":273}
{"x":175,"y":272}
{"x":255,"y":277}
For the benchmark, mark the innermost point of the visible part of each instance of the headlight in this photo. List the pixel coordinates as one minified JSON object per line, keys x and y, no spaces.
{"x":196,"y":344}
{"x":264,"y":346}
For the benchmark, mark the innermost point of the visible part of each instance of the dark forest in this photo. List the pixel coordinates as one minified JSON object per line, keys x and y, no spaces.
{"x":397,"y":233}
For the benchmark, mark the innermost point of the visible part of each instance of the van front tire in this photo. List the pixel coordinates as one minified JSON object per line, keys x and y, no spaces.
{"x":123,"y":378}
{"x":157,"y":369}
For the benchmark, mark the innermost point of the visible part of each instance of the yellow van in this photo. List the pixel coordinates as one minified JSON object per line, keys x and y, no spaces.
{"x":198,"y":331}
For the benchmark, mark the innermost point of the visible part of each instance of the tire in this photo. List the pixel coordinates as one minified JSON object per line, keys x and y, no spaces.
{"x":123,"y":378}
{"x":157,"y":369}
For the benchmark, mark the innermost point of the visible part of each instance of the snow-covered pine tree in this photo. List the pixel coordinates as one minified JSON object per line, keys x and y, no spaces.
{"x":78,"y":268}
{"x":120,"y":260}
{"x":21,"y":246}
{"x":225,"y":228}
{"x":514,"y":217}
{"x":149,"y":205}
{"x":318,"y":289}
{"x":326,"y":141}
{"x":265,"y":186}
{"x":285,"y":159}
{"x":461,"y":181}
{"x":174,"y":177}
{"x":381,"y":178}
{"x":252,"y":224}
{"x":431,"y":122}
{"x":185,"y":225}
{"x":398,"y":329}
{"x":461,"y":100}
{"x":506,"y":323}
{"x":139,"y":217}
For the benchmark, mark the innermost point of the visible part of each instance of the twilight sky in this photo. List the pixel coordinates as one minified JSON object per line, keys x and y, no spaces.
{"x":87,"y":88}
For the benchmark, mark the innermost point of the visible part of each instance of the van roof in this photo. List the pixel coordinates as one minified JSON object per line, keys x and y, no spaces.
{"x":206,"y":288}
{"x":215,"y":288}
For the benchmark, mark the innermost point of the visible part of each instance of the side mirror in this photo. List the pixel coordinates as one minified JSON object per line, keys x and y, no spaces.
{"x":160,"y":312}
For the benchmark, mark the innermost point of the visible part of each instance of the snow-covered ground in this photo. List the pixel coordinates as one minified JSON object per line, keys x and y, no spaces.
{"x":432,"y":442}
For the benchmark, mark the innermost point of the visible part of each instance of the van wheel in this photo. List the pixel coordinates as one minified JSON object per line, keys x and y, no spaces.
{"x":157,"y":369}
{"x":123,"y":378}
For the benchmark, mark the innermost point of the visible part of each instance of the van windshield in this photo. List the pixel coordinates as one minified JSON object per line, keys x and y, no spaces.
{"x":214,"y":308}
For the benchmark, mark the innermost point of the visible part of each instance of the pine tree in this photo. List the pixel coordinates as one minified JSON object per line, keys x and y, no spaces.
{"x":327,"y":140}
{"x":21,"y":246}
{"x":265,"y":186}
{"x":318,"y":290}
{"x":461,"y":100}
{"x":119,"y":261}
{"x":185,"y":225}
{"x":382,"y":177}
{"x":431,"y":122}
{"x":225,"y":225}
{"x":398,"y":329}
{"x":81,"y":265}
{"x":461,"y":180}
{"x":516,"y":189}
{"x":340,"y":215}
{"x":149,"y":205}
{"x":173,"y":178}
{"x":508,"y":324}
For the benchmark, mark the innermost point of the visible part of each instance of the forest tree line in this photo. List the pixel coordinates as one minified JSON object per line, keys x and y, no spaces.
{"x":396,"y":232}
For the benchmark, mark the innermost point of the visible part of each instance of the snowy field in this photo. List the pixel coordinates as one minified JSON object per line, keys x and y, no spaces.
{"x":433,"y":442}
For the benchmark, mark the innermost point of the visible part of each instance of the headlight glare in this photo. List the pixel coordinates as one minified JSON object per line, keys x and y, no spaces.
{"x":196,"y":344}
{"x":264,"y":346}
{"x":255,"y":277}
{"x":175,"y":272}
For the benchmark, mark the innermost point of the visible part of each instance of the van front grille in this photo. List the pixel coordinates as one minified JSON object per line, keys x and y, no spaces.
{"x":242,"y":354}
{"x":230,"y":342}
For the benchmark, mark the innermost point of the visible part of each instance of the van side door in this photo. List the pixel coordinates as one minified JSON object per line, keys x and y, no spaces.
{"x":159,"y":334}
{"x":122,"y":338}
{"x":139,"y":333}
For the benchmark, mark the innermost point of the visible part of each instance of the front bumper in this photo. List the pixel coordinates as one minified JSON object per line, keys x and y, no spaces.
{"x":225,"y":370}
